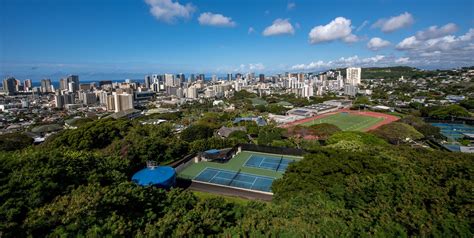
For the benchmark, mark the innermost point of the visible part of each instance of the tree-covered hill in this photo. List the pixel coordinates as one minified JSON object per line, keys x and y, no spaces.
{"x":394,"y":72}
{"x":78,"y":184}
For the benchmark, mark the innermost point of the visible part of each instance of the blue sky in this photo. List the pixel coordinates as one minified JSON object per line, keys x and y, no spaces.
{"x":45,"y":38}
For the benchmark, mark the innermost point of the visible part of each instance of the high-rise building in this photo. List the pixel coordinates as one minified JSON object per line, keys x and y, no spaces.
{"x":18,"y":86}
{"x":148,"y":81}
{"x":210,"y":93}
{"x":261,"y":78}
{"x":250,"y":76}
{"x":85,"y":86}
{"x":123,"y":102}
{"x":350,"y":90}
{"x":178,"y":80}
{"x":46,"y":86}
{"x":353,"y":76}
{"x":202,"y":77}
{"x":9,"y":85}
{"x":192,"y":92}
{"x":89,"y":98}
{"x":27,"y":85}
{"x":75,"y":80}
{"x":214,"y":78}
{"x":63,"y":84}
{"x":102,"y":97}
{"x":171,"y":90}
{"x":182,"y":79}
{"x":180,"y":93}
{"x":158,"y":82}
{"x":61,"y":100}
{"x":105,"y":82}
{"x":307,"y":90}
{"x":169,"y":80}
{"x":72,"y":87}
{"x":229,"y":77}
{"x":110,"y":103}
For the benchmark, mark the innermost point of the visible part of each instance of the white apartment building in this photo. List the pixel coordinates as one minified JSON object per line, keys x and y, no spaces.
{"x":169,"y":80}
{"x":122,"y":102}
{"x":353,"y":76}
{"x":192,"y":92}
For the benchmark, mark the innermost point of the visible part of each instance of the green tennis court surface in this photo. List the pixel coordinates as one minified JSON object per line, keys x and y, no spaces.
{"x":235,"y":179}
{"x":238,"y":163}
{"x":346,"y":121}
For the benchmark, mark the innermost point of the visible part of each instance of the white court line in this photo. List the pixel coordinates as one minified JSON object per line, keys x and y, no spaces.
{"x":245,"y":164}
{"x":202,"y":171}
{"x":218,"y":177}
{"x":214,"y":175}
{"x":261,"y":162}
{"x":253,"y":183}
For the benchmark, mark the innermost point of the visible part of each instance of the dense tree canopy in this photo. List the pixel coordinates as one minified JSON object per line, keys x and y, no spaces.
{"x":356,"y":185}
{"x":398,"y":192}
{"x":445,"y":112}
{"x":93,"y":135}
{"x":267,"y":134}
{"x":468,"y":104}
{"x":14,"y":141}
{"x":424,"y":128}
{"x":197,"y":132}
{"x":325,"y":130}
{"x":397,"y":132}
{"x":355,"y":141}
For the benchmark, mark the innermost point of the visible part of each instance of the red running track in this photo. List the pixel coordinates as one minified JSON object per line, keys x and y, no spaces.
{"x":387,"y":118}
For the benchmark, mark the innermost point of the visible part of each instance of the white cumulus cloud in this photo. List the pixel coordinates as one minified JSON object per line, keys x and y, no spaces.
{"x":445,"y":50}
{"x":402,"y":60}
{"x":338,"y":29}
{"x":377,"y":60}
{"x":214,"y":19}
{"x":408,"y":43}
{"x":169,"y":11}
{"x":290,"y":5}
{"x":279,"y":27}
{"x":377,"y":43}
{"x":250,"y":30}
{"x":362,"y":25}
{"x":435,"y":32}
{"x":394,"y":23}
{"x":250,"y":67}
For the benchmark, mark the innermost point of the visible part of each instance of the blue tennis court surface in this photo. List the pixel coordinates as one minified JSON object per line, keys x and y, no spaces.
{"x":454,"y":131}
{"x":235,"y":179}
{"x":279,"y":164}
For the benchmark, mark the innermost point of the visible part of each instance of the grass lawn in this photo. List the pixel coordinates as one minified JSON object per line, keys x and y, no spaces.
{"x":347,"y":122}
{"x":233,"y":164}
{"x":258,"y":101}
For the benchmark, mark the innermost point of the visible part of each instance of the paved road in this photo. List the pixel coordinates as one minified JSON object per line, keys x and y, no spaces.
{"x":229,"y":191}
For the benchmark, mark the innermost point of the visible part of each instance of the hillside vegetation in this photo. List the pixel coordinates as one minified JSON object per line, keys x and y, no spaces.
{"x":78,"y":184}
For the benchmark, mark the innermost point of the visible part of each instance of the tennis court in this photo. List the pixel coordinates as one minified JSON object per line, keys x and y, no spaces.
{"x":279,"y":164}
{"x":238,"y":164}
{"x":235,"y":179}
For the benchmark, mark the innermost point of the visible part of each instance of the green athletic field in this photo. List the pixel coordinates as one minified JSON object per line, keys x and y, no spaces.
{"x":346,"y":121}
{"x":233,"y":164}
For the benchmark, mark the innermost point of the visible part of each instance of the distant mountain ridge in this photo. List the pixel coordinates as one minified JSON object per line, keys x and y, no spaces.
{"x":396,"y":72}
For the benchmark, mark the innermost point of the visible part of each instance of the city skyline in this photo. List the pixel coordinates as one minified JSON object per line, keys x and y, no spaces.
{"x":132,"y":38}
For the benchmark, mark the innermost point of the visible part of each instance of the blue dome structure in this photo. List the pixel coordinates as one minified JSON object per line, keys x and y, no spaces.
{"x":160,"y":176}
